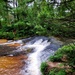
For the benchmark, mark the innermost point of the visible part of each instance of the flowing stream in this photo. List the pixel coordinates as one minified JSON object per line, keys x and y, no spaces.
{"x":34,"y":61}
{"x":41,"y":48}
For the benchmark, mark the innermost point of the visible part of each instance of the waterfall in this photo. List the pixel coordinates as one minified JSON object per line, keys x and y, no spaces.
{"x":33,"y":68}
{"x":42,"y":48}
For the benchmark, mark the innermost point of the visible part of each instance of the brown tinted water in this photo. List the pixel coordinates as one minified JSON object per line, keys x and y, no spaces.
{"x":11,"y":65}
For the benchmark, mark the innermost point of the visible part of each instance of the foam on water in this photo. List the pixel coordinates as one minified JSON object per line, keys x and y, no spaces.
{"x":33,"y":67}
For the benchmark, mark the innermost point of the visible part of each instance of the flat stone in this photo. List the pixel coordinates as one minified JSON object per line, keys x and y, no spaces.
{"x":13,"y":45}
{"x":3,"y":41}
{"x":5,"y":50}
{"x":9,"y":50}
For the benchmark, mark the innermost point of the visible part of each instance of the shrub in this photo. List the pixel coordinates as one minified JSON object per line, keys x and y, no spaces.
{"x":68,"y":50}
{"x":7,"y":35}
{"x":10,"y":35}
{"x":57,"y":72}
{"x":56,"y":58}
{"x":44,"y":68}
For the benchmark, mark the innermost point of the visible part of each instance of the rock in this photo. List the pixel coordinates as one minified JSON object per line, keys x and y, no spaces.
{"x":6,"y":50}
{"x":58,"y":65}
{"x":3,"y":41}
{"x":55,"y":65}
{"x":13,"y":45}
{"x":29,"y":51}
{"x":64,"y":58}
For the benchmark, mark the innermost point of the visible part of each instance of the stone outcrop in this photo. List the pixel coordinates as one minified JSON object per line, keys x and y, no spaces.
{"x":3,"y":41}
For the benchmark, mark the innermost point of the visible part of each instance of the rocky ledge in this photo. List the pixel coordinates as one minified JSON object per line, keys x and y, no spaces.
{"x":11,"y":60}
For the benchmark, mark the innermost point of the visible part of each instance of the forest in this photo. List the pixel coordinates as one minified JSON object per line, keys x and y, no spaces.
{"x":20,"y":19}
{"x":37,"y":17}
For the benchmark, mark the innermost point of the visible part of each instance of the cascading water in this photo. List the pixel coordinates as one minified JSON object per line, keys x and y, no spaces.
{"x":42,"y":48}
{"x":33,"y":67}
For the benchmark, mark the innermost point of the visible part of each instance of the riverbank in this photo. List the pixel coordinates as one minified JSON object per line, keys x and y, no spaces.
{"x":10,"y":63}
{"x":61,"y":63}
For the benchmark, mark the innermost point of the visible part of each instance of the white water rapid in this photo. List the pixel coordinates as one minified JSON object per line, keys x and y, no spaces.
{"x":33,"y":67}
{"x":34,"y":60}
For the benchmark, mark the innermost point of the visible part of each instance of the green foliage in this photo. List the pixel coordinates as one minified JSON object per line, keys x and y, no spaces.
{"x":57,"y":72}
{"x":68,"y":50}
{"x":32,"y":17}
{"x":44,"y":68}
{"x":56,"y":58}
{"x":8,"y":35}
{"x":54,"y":71}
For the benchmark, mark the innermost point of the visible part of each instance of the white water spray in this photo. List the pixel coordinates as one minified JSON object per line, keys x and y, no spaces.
{"x":33,"y":68}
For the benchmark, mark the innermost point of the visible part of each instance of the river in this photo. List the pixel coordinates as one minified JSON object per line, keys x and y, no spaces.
{"x":37,"y":49}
